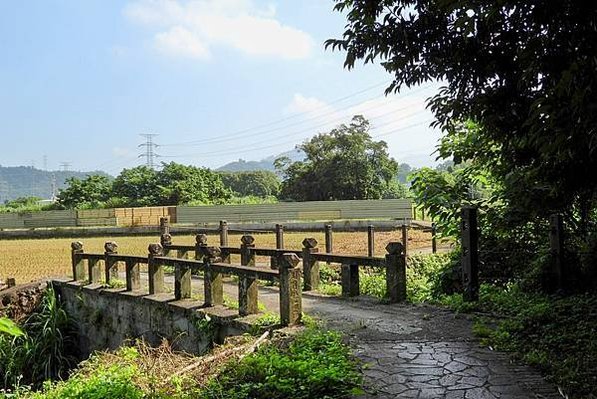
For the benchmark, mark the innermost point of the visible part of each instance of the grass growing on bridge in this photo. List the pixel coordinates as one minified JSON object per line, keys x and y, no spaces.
{"x":28,"y":260}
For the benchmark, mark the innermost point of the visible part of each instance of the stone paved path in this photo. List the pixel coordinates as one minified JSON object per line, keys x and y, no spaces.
{"x":418,"y":352}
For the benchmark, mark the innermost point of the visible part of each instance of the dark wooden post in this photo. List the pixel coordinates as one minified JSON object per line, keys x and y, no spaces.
{"x":111,"y":248}
{"x":279,"y":236}
{"x":310,"y":265}
{"x":556,"y":245}
{"x":94,"y":270}
{"x":77,"y":262}
{"x":290,"y":290}
{"x":212,"y":282}
{"x":395,"y":272}
{"x":329,"y":243}
{"x":225,"y":255}
{"x":470,"y":254}
{"x":279,"y":245}
{"x":247,"y":253}
{"x":405,"y":238}
{"x":433,"y":238}
{"x":370,"y":240}
{"x":155,"y":269}
{"x":223,"y":233}
{"x":133,"y":275}
{"x":247,"y":286}
{"x":165,"y":242}
{"x":200,"y":242}
{"x":414,"y":210}
{"x":350,"y":279}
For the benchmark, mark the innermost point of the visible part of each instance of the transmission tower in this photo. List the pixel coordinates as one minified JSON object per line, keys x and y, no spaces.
{"x":54,"y":188}
{"x":149,"y":154}
{"x":65,"y":166}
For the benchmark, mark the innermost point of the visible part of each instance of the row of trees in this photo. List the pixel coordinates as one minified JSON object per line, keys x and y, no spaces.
{"x":345,"y":163}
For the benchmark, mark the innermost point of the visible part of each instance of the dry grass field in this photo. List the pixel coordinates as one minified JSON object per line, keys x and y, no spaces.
{"x":28,"y":260}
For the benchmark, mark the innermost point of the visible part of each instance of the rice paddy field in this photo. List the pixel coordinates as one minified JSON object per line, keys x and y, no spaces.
{"x":28,"y":260}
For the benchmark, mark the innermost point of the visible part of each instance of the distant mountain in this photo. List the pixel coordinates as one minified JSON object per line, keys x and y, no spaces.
{"x":265,"y":164}
{"x":27,"y":181}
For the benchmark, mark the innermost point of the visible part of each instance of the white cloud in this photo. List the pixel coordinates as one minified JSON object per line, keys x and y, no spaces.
{"x":198,"y":25}
{"x":180,"y":42}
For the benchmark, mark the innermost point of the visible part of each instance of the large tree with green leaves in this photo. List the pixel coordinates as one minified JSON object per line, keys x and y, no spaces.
{"x":258,"y":183}
{"x":522,"y":70}
{"x":91,"y":191}
{"x":345,"y":163}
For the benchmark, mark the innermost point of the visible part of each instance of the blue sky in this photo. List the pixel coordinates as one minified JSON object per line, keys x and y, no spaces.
{"x":82,"y":79}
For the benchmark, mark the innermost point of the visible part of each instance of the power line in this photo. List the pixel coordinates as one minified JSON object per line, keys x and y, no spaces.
{"x":150,"y":147}
{"x":275,"y":122}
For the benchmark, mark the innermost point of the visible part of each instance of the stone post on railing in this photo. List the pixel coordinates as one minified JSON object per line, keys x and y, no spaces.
{"x":349,"y":274}
{"x":247,"y":286}
{"x":155,"y":269}
{"x":290,"y":290}
{"x":133,"y":275}
{"x":77,"y":262}
{"x":165,"y":242}
{"x":247,"y":255}
{"x":370,"y":240}
{"x":164,"y":225}
{"x":94,"y":271}
{"x":182,"y":282}
{"x":200,"y":242}
{"x":310,"y":265}
{"x":395,"y":272}
{"x":111,"y":248}
{"x":213,"y":285}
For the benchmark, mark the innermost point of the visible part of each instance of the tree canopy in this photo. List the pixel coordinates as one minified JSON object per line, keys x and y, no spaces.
{"x":522,"y":71}
{"x":342,"y":164}
{"x":174,"y":184}
{"x":259,"y":183}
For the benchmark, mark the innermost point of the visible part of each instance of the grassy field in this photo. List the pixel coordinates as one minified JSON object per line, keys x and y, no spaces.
{"x":28,"y":260}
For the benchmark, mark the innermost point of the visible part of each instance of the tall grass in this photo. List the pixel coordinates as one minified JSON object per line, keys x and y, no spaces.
{"x":45,"y":349}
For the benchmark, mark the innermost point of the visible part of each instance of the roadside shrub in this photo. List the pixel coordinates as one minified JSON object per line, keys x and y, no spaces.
{"x":315,"y":365}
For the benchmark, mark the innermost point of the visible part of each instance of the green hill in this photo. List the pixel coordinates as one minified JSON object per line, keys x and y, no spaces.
{"x":27,"y":181}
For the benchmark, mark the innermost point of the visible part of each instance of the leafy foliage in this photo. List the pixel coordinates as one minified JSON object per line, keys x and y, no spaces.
{"x":42,"y":351}
{"x":315,"y":365}
{"x":523,"y":71}
{"x":92,"y":191}
{"x":552,"y":333}
{"x":9,"y":327}
{"x":260,"y":183}
{"x":142,"y":186}
{"x":342,"y":164}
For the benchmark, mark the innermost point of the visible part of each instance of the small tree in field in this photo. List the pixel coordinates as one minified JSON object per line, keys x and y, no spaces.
{"x":342,"y":164}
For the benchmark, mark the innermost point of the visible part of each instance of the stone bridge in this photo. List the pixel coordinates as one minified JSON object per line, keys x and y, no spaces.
{"x":407,"y":351}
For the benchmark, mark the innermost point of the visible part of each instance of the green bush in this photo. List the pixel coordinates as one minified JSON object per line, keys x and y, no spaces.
{"x":315,"y":365}
{"x":555,"y":334}
{"x":43,"y":351}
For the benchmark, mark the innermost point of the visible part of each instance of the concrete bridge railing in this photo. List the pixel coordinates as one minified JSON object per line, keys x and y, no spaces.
{"x":207,"y":260}
{"x":394,"y":262}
